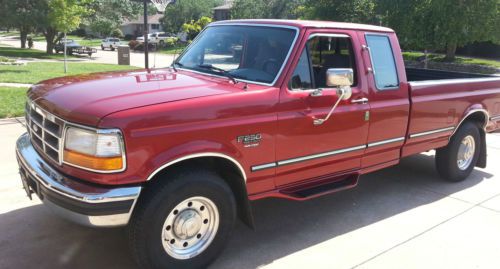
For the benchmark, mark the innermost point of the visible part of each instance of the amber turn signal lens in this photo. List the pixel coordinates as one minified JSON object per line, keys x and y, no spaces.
{"x":93,"y":162}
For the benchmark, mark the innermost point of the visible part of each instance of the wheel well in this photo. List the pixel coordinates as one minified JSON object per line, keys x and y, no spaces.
{"x":228,"y":171}
{"x":479,"y":117}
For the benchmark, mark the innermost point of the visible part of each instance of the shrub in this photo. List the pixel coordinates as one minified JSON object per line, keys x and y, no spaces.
{"x":79,"y":32}
{"x":128,"y":37}
{"x":133,"y":43}
{"x":117,"y":33}
{"x":171,"y":41}
{"x":193,"y":28}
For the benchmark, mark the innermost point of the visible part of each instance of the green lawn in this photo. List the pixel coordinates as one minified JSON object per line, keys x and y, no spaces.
{"x":95,"y":42}
{"x":27,"y":53}
{"x":413,"y":56}
{"x":35,"y":72}
{"x":11,"y":33}
{"x":12,"y":101}
{"x":173,"y":50}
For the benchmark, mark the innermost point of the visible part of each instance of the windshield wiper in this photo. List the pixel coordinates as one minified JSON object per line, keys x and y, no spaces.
{"x":178,"y":64}
{"x":219,"y":70}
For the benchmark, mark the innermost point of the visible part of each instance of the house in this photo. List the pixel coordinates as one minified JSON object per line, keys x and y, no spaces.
{"x":223,"y":12}
{"x":135,"y":27}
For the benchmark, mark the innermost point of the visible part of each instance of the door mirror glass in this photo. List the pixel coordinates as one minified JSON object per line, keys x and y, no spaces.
{"x":339,"y":77}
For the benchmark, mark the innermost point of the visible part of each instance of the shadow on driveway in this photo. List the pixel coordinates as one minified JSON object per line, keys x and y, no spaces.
{"x":32,"y":237}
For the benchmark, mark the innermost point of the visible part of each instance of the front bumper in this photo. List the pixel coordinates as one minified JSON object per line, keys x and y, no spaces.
{"x":84,"y":203}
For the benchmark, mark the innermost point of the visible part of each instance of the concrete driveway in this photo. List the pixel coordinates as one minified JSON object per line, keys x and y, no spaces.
{"x":401,"y":217}
{"x":108,"y":57}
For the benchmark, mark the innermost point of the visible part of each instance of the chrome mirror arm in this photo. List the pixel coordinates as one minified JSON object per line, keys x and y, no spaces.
{"x":343,"y":94}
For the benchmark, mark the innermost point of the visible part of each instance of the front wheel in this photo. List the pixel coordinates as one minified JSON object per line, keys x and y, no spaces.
{"x":183,"y":222}
{"x":456,"y":161}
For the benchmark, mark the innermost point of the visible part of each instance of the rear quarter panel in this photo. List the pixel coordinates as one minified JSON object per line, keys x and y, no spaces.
{"x":443,"y":104}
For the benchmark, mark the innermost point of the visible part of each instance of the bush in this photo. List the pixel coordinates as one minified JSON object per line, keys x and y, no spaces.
{"x":136,"y":45}
{"x":117,"y":33}
{"x":193,"y":28}
{"x":79,"y":32}
{"x":133,"y":43}
{"x":128,"y":37}
{"x":171,"y":41}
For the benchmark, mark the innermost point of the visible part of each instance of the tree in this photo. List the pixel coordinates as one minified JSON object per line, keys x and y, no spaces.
{"x":442,"y":24}
{"x":185,"y":11}
{"x":21,"y":14}
{"x":270,"y":9}
{"x":361,"y":11}
{"x":62,"y":16}
{"x":110,"y":14}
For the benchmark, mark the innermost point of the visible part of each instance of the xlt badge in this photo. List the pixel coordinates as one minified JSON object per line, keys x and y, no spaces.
{"x":251,"y":140}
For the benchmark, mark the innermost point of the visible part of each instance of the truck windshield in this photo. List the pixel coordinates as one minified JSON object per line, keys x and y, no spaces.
{"x":252,"y":53}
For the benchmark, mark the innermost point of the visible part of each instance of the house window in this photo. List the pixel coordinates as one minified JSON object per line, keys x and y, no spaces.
{"x":155,"y":26}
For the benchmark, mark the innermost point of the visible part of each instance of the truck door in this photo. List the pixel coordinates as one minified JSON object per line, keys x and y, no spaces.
{"x":305,"y":150}
{"x":388,"y":99}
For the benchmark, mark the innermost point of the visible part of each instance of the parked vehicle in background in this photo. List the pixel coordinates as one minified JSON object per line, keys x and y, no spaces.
{"x":72,"y":47}
{"x":159,"y":38}
{"x":110,"y":43}
{"x":252,"y":109}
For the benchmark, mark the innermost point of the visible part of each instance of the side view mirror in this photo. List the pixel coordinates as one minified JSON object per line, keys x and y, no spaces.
{"x":338,"y":77}
{"x":342,"y":78}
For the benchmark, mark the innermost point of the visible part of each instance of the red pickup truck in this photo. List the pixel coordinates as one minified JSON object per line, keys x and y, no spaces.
{"x":251,"y":109}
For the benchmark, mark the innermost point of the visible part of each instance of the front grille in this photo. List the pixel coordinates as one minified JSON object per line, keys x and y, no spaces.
{"x":45,"y":131}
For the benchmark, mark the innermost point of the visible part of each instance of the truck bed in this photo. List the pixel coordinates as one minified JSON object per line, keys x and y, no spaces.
{"x":420,"y":74}
{"x":441,"y":99}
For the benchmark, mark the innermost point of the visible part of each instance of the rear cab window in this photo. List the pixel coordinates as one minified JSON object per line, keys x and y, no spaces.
{"x":383,"y":62}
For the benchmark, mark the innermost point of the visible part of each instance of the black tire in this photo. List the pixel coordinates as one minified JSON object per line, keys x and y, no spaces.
{"x":160,"y":199}
{"x":111,"y":48}
{"x":447,"y":157}
{"x":102,"y":47}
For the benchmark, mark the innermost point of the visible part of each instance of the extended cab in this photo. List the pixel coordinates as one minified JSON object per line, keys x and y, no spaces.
{"x":252,"y":109}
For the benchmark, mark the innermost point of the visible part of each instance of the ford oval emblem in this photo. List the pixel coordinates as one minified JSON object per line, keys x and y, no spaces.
{"x":35,"y":128}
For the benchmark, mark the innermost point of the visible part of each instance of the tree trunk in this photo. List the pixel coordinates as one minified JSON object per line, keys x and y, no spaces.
{"x":23,"y":35}
{"x":50,"y":34}
{"x":451,"y":48}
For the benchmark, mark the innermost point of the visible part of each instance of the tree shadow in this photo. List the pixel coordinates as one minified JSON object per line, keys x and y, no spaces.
{"x":32,"y":236}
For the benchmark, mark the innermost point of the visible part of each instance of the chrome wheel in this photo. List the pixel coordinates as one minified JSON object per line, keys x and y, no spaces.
{"x":190,"y":227}
{"x":466,"y":152}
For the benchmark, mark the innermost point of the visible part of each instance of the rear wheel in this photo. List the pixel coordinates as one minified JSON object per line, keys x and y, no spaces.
{"x":456,"y":161}
{"x":102,"y":47}
{"x":183,"y":223}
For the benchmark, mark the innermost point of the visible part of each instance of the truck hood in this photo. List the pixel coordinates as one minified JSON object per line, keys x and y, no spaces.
{"x":86,"y":99}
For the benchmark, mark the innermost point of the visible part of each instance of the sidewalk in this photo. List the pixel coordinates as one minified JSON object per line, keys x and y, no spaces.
{"x":16,"y":85}
{"x":400,"y":217}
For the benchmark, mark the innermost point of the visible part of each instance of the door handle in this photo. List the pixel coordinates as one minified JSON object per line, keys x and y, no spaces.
{"x":360,"y":101}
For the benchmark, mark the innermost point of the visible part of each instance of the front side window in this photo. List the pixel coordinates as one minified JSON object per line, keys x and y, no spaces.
{"x":322,"y":53}
{"x":253,"y":53}
{"x":384,"y":66}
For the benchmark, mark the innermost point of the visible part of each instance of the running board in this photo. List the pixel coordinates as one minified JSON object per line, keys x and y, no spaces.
{"x":320,"y":187}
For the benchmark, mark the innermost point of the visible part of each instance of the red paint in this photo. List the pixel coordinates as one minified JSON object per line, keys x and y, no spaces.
{"x":166,"y":115}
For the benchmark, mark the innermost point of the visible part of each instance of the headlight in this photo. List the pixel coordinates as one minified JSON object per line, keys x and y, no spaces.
{"x":95,"y":150}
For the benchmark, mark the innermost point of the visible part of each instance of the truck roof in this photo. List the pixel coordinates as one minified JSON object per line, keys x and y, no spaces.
{"x":310,"y":24}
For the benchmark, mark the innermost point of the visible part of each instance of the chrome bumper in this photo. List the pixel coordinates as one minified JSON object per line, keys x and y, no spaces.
{"x":84,"y":203}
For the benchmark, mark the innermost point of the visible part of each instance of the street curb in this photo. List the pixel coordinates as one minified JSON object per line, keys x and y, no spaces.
{"x":16,"y":120}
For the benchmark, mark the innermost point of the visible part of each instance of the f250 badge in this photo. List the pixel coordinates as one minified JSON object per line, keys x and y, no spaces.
{"x":251,"y":140}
